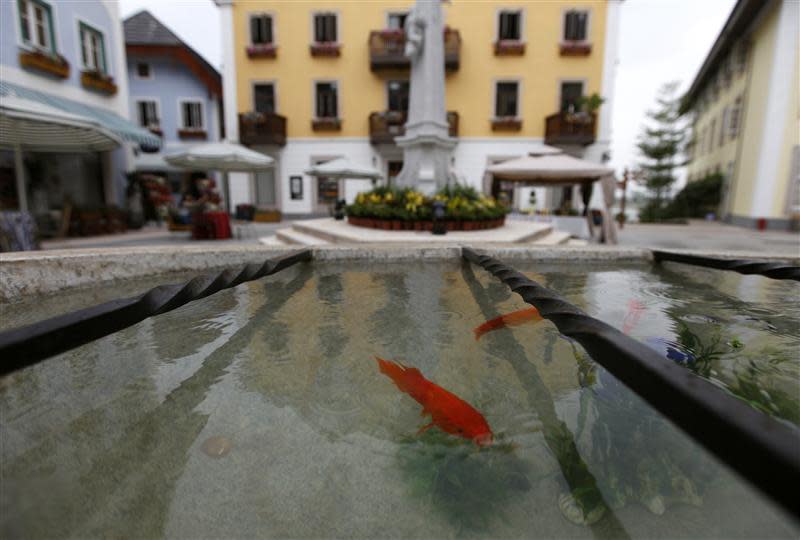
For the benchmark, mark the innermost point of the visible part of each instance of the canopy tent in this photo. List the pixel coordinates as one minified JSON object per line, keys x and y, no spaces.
{"x":343,"y":168}
{"x":221,"y":156}
{"x":549,"y":166}
{"x":33,"y":125}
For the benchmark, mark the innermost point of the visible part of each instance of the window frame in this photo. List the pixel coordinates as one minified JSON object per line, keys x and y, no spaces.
{"x":337,"y":26}
{"x":149,"y":76}
{"x":148,"y":99}
{"x":735,"y":119}
{"x":181,"y":124}
{"x":314,"y":102}
{"x":561,"y":82}
{"x":388,"y":92}
{"x":522,"y":20}
{"x":564,"y":12}
{"x":250,"y":16}
{"x":88,"y":28}
{"x":52,"y":47}
{"x":394,"y":12}
{"x":495,"y":85}
{"x":270,"y":82}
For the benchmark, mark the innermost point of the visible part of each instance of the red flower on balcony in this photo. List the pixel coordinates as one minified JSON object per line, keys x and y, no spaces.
{"x":509,"y":47}
{"x":262,"y":50}
{"x":392,"y":33}
{"x":325,"y":48}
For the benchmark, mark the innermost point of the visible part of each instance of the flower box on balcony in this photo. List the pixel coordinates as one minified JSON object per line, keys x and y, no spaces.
{"x":506,"y":123}
{"x":155,"y":130}
{"x":575,"y":48}
{"x":326,"y":124}
{"x":98,"y":82}
{"x":266,"y":50}
{"x":55,"y":65}
{"x":507,"y":47}
{"x":392,"y":33}
{"x":325,"y":49}
{"x":192,"y":134}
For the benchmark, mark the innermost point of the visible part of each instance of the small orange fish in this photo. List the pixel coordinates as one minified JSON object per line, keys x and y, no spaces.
{"x":635,"y":311}
{"x":509,"y":319}
{"x":448,"y":412}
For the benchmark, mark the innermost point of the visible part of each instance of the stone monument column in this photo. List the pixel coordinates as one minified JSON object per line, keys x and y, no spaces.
{"x":426,"y":144}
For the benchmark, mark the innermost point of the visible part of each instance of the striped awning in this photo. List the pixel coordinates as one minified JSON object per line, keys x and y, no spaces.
{"x":122,"y":128}
{"x":35,"y":126}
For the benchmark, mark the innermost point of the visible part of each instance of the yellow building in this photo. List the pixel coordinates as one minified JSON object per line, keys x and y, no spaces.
{"x":310,"y":81}
{"x":746,"y":122}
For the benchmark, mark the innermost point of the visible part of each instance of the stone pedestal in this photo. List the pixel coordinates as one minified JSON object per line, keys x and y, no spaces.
{"x":426,"y":144}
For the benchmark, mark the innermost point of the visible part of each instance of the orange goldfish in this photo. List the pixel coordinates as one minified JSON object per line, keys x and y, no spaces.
{"x":448,"y":412}
{"x":509,"y":319}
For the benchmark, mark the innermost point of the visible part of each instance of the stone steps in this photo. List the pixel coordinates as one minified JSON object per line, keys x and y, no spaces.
{"x":554,"y":238}
{"x":294,"y":236}
{"x":328,"y":231}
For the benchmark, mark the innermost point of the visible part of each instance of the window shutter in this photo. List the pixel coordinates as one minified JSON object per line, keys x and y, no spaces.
{"x":267,"y":29}
{"x":255,"y":36}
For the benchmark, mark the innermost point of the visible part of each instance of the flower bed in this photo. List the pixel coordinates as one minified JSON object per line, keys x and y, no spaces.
{"x":408,"y":210}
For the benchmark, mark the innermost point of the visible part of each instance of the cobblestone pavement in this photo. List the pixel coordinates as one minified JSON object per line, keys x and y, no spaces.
{"x":711,"y":236}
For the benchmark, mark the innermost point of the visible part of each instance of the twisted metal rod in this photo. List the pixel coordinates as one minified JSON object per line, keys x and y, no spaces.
{"x":761,"y":448}
{"x":22,"y":347}
{"x":774,"y":270}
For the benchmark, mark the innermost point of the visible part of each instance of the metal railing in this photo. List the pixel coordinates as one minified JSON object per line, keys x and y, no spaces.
{"x":759,"y":447}
{"x":387,"y":49}
{"x":262,"y":128}
{"x":23,"y":347}
{"x":570,"y":128}
{"x":384,"y":126}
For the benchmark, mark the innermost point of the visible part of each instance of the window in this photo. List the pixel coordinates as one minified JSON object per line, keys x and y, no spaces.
{"x":143,"y":70}
{"x":575,"y":23}
{"x":509,"y":28}
{"x":398,"y":93}
{"x":325,"y":28}
{"x":264,"y":98}
{"x":396,"y":21}
{"x":36,"y":24}
{"x":711,"y":132}
{"x":505,"y":105}
{"x":261,"y":30}
{"x":723,"y":125}
{"x":327,"y":106}
{"x":192,"y":115}
{"x":571,"y":94}
{"x":93,"y":51}
{"x":733,"y":121}
{"x":148,"y":114}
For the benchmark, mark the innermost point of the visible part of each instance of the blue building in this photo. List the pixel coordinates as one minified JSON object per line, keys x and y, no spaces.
{"x":174,"y":92}
{"x":66,"y":141}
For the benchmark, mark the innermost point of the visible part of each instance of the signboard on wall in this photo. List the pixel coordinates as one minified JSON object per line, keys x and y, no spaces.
{"x":296,"y":187}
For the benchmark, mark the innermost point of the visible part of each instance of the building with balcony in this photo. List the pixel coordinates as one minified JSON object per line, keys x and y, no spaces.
{"x":743,"y":105}
{"x":174,"y":93}
{"x":306,"y":83}
{"x":66,"y":140}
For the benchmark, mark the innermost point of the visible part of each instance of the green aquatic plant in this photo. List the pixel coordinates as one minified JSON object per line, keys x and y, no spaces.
{"x":467,"y":484}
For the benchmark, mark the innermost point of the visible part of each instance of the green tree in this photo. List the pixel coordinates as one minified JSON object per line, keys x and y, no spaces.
{"x":661,"y":145}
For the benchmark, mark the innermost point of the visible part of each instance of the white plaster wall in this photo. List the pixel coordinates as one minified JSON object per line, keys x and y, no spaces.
{"x":298,"y":155}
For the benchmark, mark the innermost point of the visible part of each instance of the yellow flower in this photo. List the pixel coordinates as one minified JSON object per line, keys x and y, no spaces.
{"x":375,"y":198}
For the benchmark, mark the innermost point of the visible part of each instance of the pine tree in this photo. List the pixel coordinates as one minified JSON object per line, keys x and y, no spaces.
{"x":661,"y":145}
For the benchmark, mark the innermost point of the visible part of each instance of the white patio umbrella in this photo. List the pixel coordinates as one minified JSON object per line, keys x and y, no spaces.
{"x":33,"y":125}
{"x":343,"y":168}
{"x":221,"y":156}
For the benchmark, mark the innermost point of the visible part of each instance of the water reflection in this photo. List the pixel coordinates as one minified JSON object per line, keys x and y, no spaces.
{"x":585,"y":503}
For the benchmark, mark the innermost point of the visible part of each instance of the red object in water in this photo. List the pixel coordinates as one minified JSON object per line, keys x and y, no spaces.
{"x":448,"y":412}
{"x":761,"y":224}
{"x":509,"y":319}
